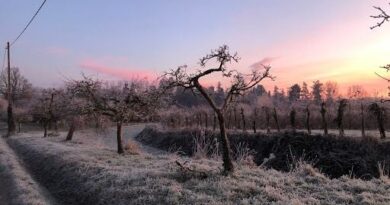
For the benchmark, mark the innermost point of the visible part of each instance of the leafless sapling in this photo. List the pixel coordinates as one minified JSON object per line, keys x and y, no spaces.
{"x":380,"y":114}
{"x":214,"y":122}
{"x":267,"y":118}
{"x":242,"y":119}
{"x":254,"y":120}
{"x":240,"y":83}
{"x":275,"y":116}
{"x":343,"y":103}
{"x":308,"y":127}
{"x":121,"y":103}
{"x":48,"y":109}
{"x":323,"y":117}
{"x":362,"y":119}
{"x":293,"y":114}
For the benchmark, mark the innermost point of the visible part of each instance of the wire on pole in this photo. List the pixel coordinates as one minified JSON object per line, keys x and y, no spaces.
{"x":28,"y":24}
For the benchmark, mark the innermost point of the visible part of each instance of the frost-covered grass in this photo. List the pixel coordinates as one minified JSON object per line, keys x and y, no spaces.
{"x":81,"y":173}
{"x":20,"y":187}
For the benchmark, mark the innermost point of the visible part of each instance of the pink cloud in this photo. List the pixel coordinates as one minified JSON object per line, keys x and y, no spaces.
{"x":265,"y":61}
{"x":124,"y":73}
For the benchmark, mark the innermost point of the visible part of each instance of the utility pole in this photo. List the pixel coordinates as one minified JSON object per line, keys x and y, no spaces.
{"x":11,"y":122}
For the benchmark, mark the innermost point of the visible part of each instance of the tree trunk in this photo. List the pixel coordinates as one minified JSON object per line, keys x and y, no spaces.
{"x":243,"y":119}
{"x":363,"y":123}
{"x":254,"y":120}
{"x":349,"y":116}
{"x":226,"y":155}
{"x":97,"y":122}
{"x":119,"y":137}
{"x":308,"y":120}
{"x":72,"y":128}
{"x":229,"y":123}
{"x":56,"y":126}
{"x":267,"y":119}
{"x":215,"y":122}
{"x":323,"y":116}
{"x":275,"y":114}
{"x":235,"y":118}
{"x":381,"y":126}
{"x":19,"y":127}
{"x":292,"y":119}
{"x":206,"y":120}
{"x":341,"y":129}
{"x":11,"y":121}
{"x":45,"y":125}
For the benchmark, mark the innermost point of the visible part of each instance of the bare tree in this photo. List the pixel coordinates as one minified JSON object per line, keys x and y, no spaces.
{"x":254,"y":119}
{"x":276,"y":118}
{"x":331,"y":91}
{"x":380,"y":114}
{"x":340,"y":115}
{"x":307,"y":110}
{"x":243,"y":119}
{"x":323,"y":116}
{"x":121,"y":103}
{"x":267,"y":114}
{"x":75,"y":112}
{"x":240,"y":83}
{"x":293,"y":114}
{"x":357,"y":92}
{"x":48,"y":108}
{"x":21,"y":88}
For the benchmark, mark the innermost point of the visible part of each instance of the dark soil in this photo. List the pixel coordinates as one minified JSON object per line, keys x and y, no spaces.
{"x":334,"y":156}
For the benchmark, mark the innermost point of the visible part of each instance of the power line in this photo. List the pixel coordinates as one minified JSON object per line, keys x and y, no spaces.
{"x":31,"y":20}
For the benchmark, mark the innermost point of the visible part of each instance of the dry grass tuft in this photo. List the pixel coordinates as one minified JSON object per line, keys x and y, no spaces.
{"x":132,"y":147}
{"x":384,"y":174}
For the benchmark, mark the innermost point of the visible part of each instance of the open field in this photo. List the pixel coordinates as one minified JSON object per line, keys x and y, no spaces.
{"x":83,"y":172}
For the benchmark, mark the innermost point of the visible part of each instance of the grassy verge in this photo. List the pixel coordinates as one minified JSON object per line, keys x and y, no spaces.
{"x":83,"y":174}
{"x":17,"y":184}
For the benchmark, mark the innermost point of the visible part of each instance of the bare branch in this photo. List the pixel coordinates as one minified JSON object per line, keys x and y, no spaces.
{"x":382,"y":16}
{"x":240,"y":83}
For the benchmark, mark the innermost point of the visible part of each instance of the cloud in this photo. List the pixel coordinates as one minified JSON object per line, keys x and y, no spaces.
{"x":123,"y":73}
{"x":265,"y":61}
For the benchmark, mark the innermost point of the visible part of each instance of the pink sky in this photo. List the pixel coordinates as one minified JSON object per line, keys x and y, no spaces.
{"x":121,"y":73}
{"x":343,"y":50}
